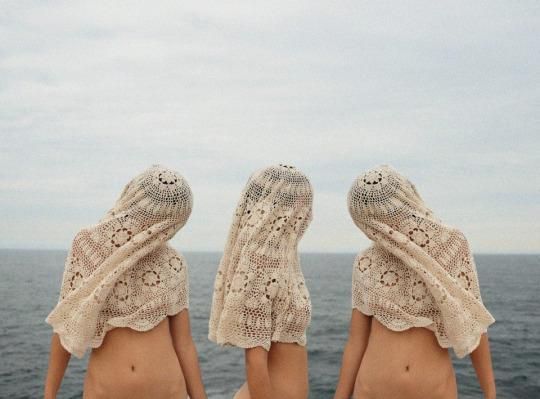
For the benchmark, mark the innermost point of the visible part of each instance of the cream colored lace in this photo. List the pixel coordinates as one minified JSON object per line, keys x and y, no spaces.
{"x":260,"y":294}
{"x":121,"y":272}
{"x":419,"y":272}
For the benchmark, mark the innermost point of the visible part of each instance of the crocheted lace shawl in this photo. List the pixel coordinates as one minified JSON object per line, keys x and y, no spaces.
{"x":121,"y":272}
{"x":419,"y":272}
{"x":260,"y":294}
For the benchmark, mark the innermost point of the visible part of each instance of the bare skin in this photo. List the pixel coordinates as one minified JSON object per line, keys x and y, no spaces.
{"x":380,"y":363}
{"x":282,"y":372}
{"x":161,"y":362}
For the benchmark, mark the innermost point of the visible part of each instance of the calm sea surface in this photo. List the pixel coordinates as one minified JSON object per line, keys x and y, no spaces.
{"x":29,"y":284}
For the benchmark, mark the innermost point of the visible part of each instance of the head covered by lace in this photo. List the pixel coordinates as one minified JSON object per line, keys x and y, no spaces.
{"x":419,"y":272}
{"x":260,"y":294}
{"x":121,"y":272}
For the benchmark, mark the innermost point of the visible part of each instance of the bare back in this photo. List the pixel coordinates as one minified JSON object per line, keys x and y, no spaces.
{"x":288,"y":369}
{"x":407,"y":364}
{"x":135,"y":365}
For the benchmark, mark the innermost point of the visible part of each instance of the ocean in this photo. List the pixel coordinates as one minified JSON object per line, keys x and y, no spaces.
{"x":30,"y":280}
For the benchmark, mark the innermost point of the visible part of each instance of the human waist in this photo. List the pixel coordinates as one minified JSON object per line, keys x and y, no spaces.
{"x":129,"y":361}
{"x":406,"y":364}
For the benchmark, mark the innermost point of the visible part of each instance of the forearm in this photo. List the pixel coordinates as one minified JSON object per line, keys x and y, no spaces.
{"x":481,"y":360}
{"x":352,"y":357}
{"x":58,"y":361}
{"x":189,"y":361}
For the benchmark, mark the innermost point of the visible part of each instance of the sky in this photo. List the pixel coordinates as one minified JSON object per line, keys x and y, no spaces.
{"x":93,"y":93}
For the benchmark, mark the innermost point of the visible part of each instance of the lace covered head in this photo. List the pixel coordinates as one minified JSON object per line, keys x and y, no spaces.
{"x":259,"y":292}
{"x":121,"y":272}
{"x":419,"y":272}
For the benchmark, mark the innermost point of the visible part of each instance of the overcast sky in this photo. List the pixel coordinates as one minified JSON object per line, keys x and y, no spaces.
{"x":446,"y":92}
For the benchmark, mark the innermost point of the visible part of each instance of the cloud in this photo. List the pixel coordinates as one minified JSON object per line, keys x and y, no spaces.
{"x":93,"y":93}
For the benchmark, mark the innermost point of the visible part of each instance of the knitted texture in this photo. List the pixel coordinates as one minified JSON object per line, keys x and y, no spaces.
{"x":260,"y":294}
{"x":418,"y":272}
{"x":121,"y":272}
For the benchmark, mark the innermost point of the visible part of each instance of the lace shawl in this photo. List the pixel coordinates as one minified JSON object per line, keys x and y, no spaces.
{"x":260,"y":294}
{"x":418,"y":272}
{"x":121,"y":272}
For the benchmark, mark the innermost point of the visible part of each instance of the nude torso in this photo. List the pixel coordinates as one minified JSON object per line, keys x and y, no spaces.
{"x":135,"y":365}
{"x":407,"y":365}
{"x":288,"y":369}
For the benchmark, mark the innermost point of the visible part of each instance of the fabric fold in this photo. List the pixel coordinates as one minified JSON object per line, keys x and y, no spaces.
{"x":121,"y":272}
{"x":419,"y":272}
{"x":260,"y":293}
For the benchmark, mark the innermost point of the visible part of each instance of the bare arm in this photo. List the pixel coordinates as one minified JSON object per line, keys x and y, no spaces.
{"x":353,"y":353}
{"x":58,"y":361}
{"x":258,"y":377}
{"x":187,"y":354}
{"x":481,"y":360}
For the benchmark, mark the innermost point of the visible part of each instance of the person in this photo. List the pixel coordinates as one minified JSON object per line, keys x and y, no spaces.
{"x":124,"y":294}
{"x":415,"y":293}
{"x":260,"y":299}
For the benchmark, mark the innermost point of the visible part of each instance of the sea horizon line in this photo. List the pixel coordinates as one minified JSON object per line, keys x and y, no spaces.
{"x":343,"y":252}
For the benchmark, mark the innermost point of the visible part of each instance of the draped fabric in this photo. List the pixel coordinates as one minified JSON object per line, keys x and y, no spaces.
{"x":121,"y":271}
{"x":260,"y":293}
{"x":419,"y":272}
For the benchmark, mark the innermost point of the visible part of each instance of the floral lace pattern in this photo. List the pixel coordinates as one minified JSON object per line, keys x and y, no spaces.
{"x":419,"y":272}
{"x":260,"y":294}
{"x":121,"y":272}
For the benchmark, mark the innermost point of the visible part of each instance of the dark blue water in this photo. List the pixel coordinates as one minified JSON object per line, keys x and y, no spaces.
{"x":29,"y":283}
